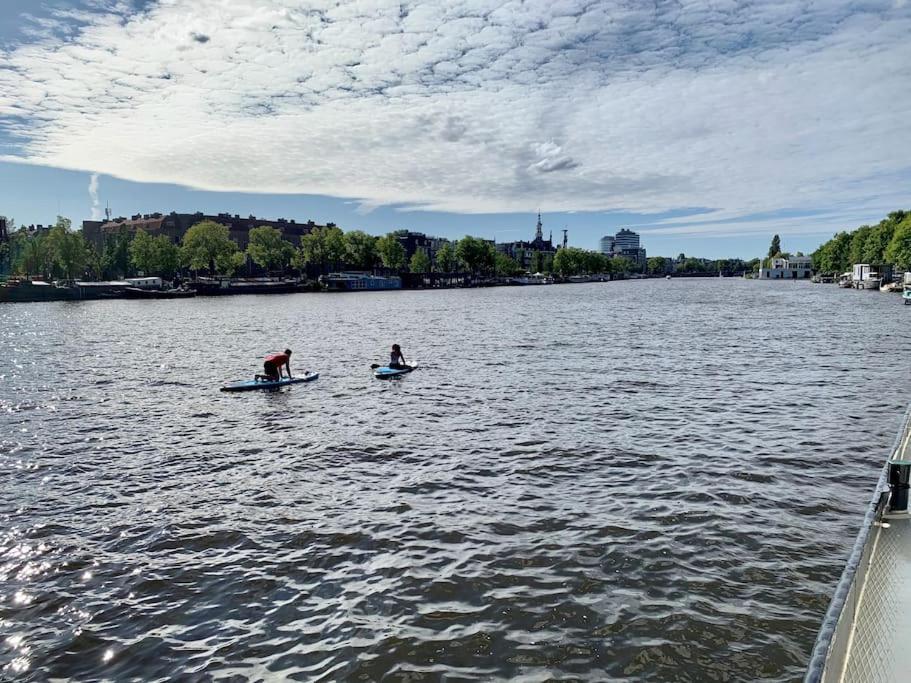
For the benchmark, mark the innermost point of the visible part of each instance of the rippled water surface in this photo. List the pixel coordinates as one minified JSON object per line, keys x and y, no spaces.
{"x":630,"y":481}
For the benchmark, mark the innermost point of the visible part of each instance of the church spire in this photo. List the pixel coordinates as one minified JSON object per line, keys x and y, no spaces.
{"x":539,"y":231}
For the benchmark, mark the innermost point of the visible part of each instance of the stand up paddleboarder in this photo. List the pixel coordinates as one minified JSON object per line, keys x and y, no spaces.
{"x":273,"y":364}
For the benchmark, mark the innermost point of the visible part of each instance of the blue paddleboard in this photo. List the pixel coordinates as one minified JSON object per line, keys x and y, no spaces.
{"x":253,"y":385}
{"x":388,"y":373}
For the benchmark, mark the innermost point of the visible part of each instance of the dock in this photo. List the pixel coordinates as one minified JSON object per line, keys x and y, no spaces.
{"x":866,"y":633}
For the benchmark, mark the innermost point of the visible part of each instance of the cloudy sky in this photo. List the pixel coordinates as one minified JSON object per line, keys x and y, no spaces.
{"x":707,"y":125}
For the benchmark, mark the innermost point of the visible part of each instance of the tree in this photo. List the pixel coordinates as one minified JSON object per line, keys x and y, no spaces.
{"x":142,"y":252}
{"x":268,"y":249}
{"x":391,"y":252}
{"x":656,"y":265}
{"x":420,"y":262}
{"x":68,"y":250}
{"x":899,"y":250}
{"x":167,"y":256}
{"x":505,"y":266}
{"x":115,"y":258}
{"x":208,"y":245}
{"x":321,"y":248}
{"x":446,"y":260}
{"x":360,"y":249}
{"x":775,"y":248}
{"x":34,"y":257}
{"x":856,"y":252}
{"x":476,"y":254}
{"x":622,"y":265}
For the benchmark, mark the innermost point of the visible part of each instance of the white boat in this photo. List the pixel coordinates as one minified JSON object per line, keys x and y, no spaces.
{"x":872,"y":281}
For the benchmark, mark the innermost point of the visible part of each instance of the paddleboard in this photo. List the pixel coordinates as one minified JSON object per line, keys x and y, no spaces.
{"x":388,"y":373}
{"x":253,"y":385}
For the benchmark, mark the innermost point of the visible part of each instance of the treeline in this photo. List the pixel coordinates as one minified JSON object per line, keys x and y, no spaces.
{"x":887,"y":242}
{"x":660,"y":265}
{"x":207,"y":247}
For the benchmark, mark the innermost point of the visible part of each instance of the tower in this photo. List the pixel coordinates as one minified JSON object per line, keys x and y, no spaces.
{"x":565,"y":230}
{"x":539,"y":230}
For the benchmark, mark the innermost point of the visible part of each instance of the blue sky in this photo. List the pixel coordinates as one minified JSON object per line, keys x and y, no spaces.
{"x":706,"y":126}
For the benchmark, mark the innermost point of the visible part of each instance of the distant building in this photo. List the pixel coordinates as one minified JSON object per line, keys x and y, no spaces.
{"x":175,"y":225}
{"x":414,"y":242}
{"x":637,"y":256}
{"x":794,"y":268}
{"x":523,"y":252}
{"x":4,"y":232}
{"x":626,"y":244}
{"x":626,"y":239}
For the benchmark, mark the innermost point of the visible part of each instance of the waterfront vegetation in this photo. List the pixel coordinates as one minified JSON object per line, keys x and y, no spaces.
{"x":889,"y":241}
{"x":208,"y":249}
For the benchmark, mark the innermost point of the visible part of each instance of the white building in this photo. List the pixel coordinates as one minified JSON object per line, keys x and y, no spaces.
{"x":794,"y":268}
{"x":626,"y":239}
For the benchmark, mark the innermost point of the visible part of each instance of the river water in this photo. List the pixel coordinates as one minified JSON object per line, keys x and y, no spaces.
{"x":629,"y":481}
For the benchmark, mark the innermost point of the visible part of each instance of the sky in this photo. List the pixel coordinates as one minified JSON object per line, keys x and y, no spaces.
{"x":705,"y":125}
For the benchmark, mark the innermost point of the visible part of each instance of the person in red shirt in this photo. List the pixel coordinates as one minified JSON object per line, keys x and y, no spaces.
{"x":273,"y":364}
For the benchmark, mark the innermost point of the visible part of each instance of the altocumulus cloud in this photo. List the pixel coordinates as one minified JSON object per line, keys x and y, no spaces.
{"x":479,"y":105}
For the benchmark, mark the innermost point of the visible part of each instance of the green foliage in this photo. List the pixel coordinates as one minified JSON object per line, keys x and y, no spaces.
{"x":268,"y":249}
{"x":446,"y":259}
{"x":775,"y":248}
{"x":321,"y":248}
{"x":477,"y":254}
{"x":657,"y":265}
{"x":208,"y":246}
{"x":856,"y":252}
{"x":694,"y":265}
{"x":115,"y":259}
{"x":360,"y":249}
{"x":391,"y":252}
{"x":506,"y":266}
{"x":899,"y":249}
{"x":68,"y":250}
{"x":142,"y":252}
{"x":867,"y":244}
{"x":34,"y":257}
{"x":420,"y":262}
{"x":622,"y":265}
{"x":575,"y":261}
{"x":167,"y":256}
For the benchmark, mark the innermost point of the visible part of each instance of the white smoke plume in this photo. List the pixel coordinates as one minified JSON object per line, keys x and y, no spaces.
{"x":93,"y":193}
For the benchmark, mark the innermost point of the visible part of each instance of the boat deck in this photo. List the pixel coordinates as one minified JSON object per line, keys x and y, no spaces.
{"x":880,"y":647}
{"x":866,"y":636}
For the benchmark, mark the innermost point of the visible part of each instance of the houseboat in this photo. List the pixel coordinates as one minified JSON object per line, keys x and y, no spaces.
{"x":359,"y":282}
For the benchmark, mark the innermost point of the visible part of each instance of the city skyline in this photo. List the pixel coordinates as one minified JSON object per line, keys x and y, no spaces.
{"x":584,"y":230}
{"x":704,"y":130}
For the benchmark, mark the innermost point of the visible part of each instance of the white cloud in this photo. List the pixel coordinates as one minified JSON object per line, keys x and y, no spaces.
{"x":93,"y":195}
{"x":482,"y":105}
